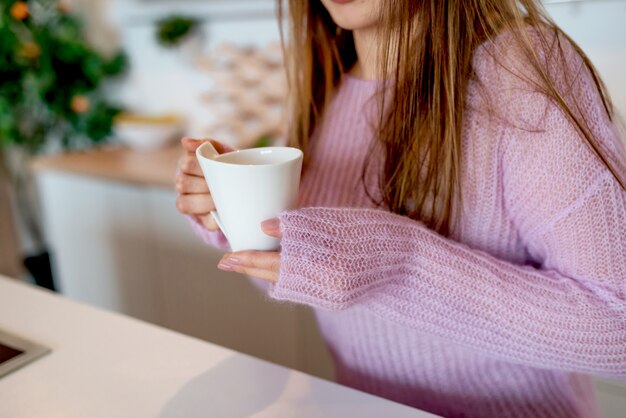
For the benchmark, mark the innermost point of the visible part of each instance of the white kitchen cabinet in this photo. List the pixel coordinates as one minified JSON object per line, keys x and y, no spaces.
{"x":125,"y":248}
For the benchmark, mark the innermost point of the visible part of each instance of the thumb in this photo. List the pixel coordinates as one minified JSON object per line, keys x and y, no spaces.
{"x":271,"y":227}
{"x":221,"y":148}
{"x":191,"y":144}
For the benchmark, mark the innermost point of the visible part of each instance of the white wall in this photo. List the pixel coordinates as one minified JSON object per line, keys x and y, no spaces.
{"x":163,"y":80}
{"x":599,"y":27}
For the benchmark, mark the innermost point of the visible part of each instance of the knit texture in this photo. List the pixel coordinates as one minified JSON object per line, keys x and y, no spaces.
{"x":507,"y":316}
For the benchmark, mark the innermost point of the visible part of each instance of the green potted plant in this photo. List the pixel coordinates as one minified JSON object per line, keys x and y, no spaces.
{"x":172,"y":30}
{"x":50,"y":78}
{"x":181,"y":33}
{"x":51,"y":89}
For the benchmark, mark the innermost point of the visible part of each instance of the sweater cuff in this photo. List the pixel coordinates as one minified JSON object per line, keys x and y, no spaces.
{"x":301,"y":280}
{"x":332,"y":258}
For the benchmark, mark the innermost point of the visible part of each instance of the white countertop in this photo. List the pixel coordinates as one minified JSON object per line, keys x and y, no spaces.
{"x":107,"y":365}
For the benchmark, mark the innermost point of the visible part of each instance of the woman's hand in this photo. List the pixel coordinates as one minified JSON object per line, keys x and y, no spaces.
{"x":260,"y":264}
{"x":193,"y":193}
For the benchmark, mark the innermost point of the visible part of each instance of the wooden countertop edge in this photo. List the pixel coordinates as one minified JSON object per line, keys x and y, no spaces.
{"x":154,"y":168}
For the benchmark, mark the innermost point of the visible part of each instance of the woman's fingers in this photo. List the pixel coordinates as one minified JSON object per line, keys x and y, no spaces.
{"x":195,"y":204}
{"x":191,"y":184}
{"x":208,"y":222}
{"x":194,"y":196}
{"x":189,"y":165}
{"x":221,"y":148}
{"x":266,"y":275}
{"x":190,"y":145}
{"x":260,"y":264}
{"x":271,"y":227}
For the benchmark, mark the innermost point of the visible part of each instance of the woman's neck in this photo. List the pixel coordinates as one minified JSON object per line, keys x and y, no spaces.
{"x":366,"y":66}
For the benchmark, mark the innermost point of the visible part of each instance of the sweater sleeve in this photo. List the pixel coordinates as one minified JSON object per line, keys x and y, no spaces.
{"x":566,"y":312}
{"x":404,"y":272}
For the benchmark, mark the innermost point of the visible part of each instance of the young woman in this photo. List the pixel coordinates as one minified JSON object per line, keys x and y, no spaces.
{"x":462,"y":223}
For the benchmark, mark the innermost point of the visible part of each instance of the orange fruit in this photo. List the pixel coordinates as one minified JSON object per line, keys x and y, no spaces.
{"x":80,"y":104}
{"x":19,"y":10}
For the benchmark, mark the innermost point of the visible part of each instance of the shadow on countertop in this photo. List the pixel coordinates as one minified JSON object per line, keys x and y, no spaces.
{"x":229,"y":389}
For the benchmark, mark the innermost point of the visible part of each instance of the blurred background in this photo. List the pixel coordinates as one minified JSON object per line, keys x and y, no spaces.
{"x":94,"y":95}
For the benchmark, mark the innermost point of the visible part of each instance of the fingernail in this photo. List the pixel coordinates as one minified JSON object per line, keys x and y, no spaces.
{"x":271,"y":224}
{"x":233,"y":261}
{"x":224,"y":267}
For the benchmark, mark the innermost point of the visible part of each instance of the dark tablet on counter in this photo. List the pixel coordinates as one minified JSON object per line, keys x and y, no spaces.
{"x":16,"y":352}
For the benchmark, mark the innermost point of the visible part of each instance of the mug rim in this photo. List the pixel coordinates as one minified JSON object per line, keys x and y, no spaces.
{"x":296,"y":153}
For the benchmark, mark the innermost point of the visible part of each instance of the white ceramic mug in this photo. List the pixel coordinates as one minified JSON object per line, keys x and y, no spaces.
{"x":249,"y":187}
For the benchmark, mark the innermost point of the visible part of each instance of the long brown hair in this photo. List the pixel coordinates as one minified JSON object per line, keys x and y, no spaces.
{"x":430,"y":64}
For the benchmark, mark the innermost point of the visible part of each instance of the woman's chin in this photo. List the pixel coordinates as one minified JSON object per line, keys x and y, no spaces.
{"x":353,"y":24}
{"x":353,"y":15}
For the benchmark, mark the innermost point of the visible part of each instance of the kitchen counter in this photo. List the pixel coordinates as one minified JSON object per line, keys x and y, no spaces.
{"x":104,"y":364}
{"x":152,"y":168}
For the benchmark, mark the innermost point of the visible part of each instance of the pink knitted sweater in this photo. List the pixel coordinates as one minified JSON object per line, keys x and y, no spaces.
{"x":509,"y":315}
